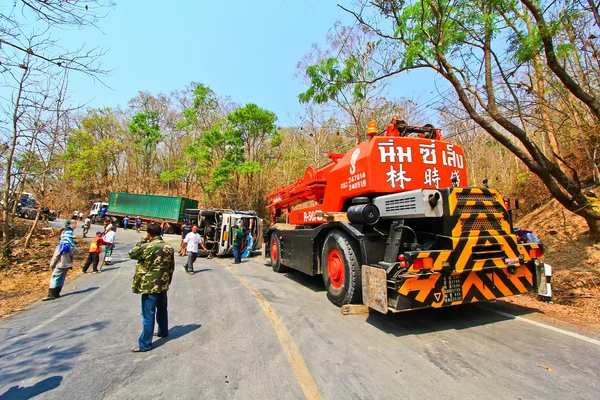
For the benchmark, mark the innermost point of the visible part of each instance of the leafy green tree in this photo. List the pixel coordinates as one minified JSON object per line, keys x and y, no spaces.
{"x":199,"y":117}
{"x":92,"y":154}
{"x":145,"y":129}
{"x":245,"y":141}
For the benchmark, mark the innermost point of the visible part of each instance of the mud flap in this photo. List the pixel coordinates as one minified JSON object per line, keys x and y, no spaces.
{"x":374,"y":288}
{"x":544,"y":284}
{"x":540,"y":279}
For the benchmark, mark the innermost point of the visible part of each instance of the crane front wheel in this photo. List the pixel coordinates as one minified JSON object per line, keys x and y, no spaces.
{"x":341,"y":269}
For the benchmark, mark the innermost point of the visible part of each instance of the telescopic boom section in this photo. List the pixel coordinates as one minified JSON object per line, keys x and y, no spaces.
{"x":311,"y":187}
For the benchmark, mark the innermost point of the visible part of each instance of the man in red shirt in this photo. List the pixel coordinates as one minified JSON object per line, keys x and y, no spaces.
{"x":94,"y":254}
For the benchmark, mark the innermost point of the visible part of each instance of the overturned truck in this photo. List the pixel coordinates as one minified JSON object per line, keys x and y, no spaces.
{"x":394,"y":225}
{"x":216,"y":226}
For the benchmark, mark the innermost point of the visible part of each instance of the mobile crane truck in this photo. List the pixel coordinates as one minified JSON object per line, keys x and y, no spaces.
{"x":393,"y":224}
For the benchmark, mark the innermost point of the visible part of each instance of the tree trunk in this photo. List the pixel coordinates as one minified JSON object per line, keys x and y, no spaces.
{"x":30,"y":233}
{"x":6,"y":217}
{"x":594,"y":226}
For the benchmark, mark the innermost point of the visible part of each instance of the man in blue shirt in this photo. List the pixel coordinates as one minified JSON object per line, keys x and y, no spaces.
{"x":125,"y":222}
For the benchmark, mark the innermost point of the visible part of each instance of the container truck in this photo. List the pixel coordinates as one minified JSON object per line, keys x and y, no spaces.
{"x":151,"y":208}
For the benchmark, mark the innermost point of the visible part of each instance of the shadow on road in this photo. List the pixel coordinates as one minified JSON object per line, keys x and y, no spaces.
{"x":42,"y":353}
{"x":175,"y":333}
{"x":202,"y":270}
{"x":90,"y":289}
{"x":314,"y":283}
{"x":109,"y":269}
{"x":430,"y":320}
{"x":22,"y":393}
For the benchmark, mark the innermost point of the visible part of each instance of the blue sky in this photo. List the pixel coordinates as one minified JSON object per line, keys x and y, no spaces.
{"x":248,"y":50}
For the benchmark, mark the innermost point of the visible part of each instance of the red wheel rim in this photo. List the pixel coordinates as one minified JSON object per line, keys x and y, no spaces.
{"x":335,"y":268}
{"x":274,"y":250}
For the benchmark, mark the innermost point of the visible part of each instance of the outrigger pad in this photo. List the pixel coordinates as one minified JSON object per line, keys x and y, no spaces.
{"x":374,"y":288}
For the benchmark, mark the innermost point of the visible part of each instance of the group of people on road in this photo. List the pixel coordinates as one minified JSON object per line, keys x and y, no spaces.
{"x":154,"y":270}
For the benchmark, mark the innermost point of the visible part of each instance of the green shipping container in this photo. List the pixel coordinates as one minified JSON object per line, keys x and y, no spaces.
{"x":150,"y":206}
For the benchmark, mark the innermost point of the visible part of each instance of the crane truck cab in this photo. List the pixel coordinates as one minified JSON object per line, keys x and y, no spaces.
{"x":216,"y":228}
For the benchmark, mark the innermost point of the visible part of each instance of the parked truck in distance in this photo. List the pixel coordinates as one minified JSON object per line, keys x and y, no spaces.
{"x":216,"y":228}
{"x":151,"y":208}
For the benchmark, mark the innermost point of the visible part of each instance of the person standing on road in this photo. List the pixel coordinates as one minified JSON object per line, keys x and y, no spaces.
{"x":81,"y":215}
{"x":163,"y":227}
{"x":153,"y":275}
{"x":109,"y":237}
{"x":75,"y":214}
{"x":125,"y":222}
{"x":193,"y":240}
{"x":94,"y":253}
{"x":62,"y":261}
{"x":184,"y":232}
{"x":86,"y":226}
{"x":138,"y":224}
{"x":238,"y":237}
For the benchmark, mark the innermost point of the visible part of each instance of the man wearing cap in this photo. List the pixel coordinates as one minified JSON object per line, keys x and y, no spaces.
{"x":62,"y":260}
{"x":94,"y":253}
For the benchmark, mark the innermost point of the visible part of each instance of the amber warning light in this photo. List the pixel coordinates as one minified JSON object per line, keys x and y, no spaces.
{"x":372,"y":128}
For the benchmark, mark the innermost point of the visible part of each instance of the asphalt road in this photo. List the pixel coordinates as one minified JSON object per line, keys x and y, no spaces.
{"x":246,"y":332}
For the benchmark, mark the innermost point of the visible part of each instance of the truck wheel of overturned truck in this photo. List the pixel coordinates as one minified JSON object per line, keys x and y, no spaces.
{"x":208,"y":213}
{"x":341,"y":269}
{"x":276,"y":254}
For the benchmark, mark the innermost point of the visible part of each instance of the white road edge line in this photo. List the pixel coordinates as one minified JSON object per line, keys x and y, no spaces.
{"x":69,"y":309}
{"x":541,"y":325}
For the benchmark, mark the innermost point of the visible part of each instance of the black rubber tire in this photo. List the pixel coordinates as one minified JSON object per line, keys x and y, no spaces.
{"x":276,"y":263}
{"x":350,"y":291}
{"x":208,"y":213}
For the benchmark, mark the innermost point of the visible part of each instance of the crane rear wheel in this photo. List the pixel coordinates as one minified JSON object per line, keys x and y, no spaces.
{"x":275,"y":247}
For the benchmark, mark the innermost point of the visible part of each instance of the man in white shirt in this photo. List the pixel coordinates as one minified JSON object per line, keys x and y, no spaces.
{"x":110,"y":238}
{"x":192,"y":241}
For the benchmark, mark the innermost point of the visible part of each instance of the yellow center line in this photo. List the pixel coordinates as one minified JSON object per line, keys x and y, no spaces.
{"x":290,"y":348}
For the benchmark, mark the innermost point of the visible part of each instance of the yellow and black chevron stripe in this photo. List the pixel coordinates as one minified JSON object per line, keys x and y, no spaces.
{"x":473,"y":267}
{"x":475,"y":212}
{"x":437,"y":290}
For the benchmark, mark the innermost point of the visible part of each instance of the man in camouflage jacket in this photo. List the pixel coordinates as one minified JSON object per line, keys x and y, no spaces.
{"x":153,"y":275}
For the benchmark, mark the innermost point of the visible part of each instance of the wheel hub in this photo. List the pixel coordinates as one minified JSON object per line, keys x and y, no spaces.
{"x":274,"y":250}
{"x":335,"y":268}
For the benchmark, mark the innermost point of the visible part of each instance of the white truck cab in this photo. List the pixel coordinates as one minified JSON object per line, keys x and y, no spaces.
{"x":96,"y":211}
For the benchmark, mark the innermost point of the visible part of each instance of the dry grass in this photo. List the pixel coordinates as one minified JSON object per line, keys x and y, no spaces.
{"x":575,"y":260}
{"x":25,"y":279}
